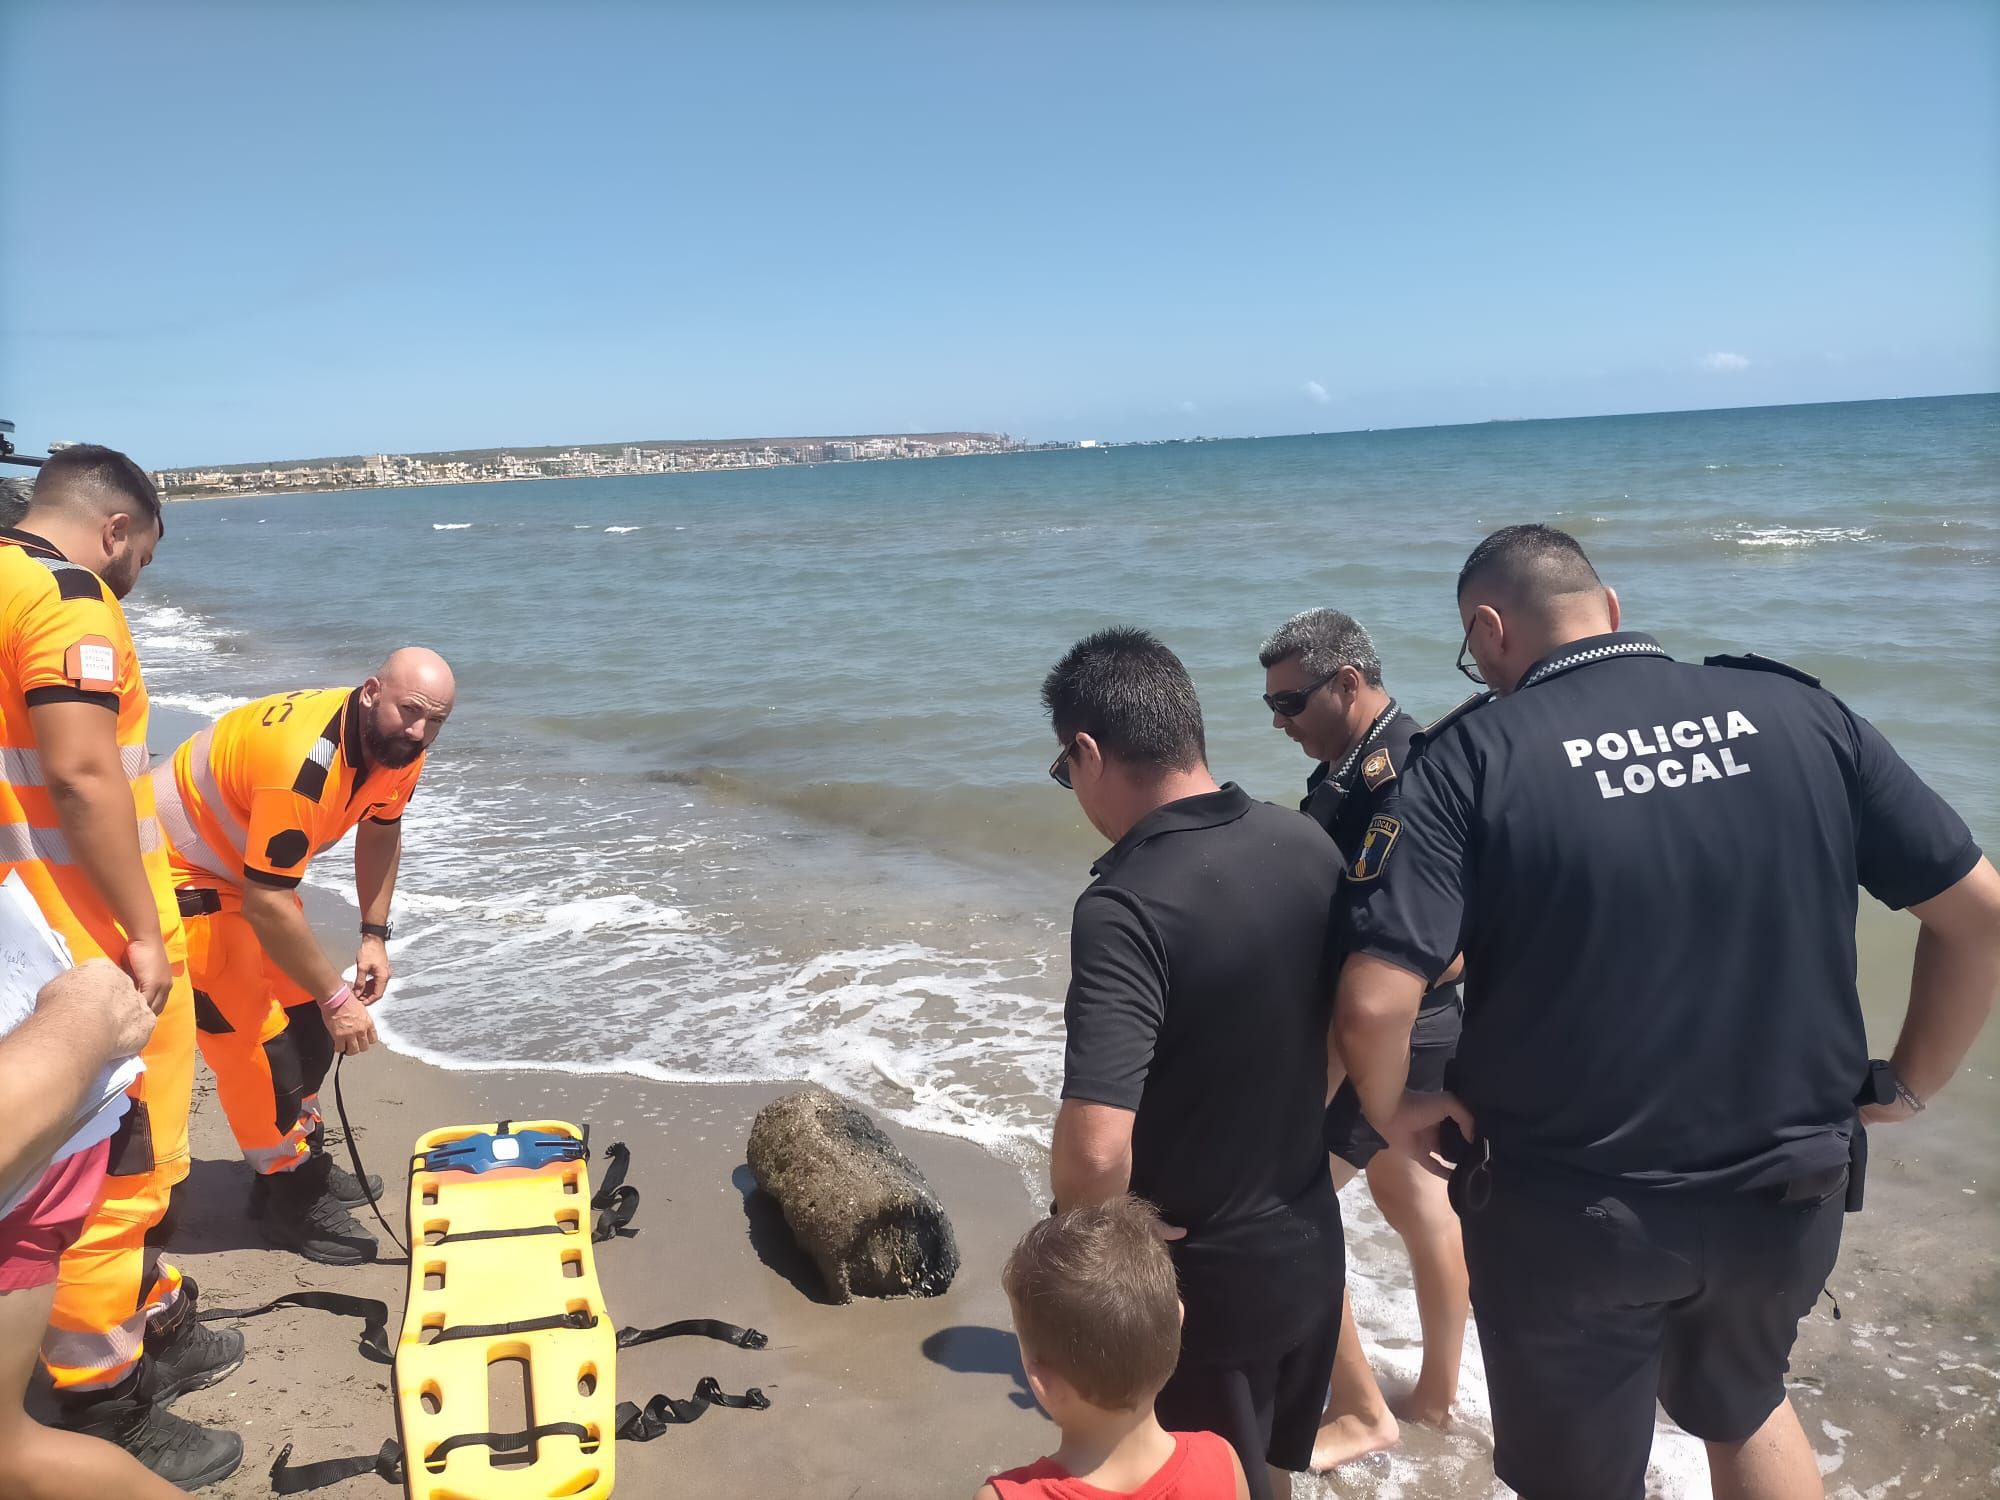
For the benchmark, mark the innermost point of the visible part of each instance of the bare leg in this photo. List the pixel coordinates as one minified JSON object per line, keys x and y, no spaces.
{"x":1418,"y":1208}
{"x":1357,"y":1421}
{"x":1774,"y":1463}
{"x":43,"y":1463}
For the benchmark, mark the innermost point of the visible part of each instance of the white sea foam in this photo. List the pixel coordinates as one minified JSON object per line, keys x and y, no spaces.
{"x":208,"y":705}
{"x":1793,"y":536}
{"x":451,"y":526}
{"x":621,"y":530}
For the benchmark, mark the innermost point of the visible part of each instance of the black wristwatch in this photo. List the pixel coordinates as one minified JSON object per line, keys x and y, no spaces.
{"x":381,"y":930}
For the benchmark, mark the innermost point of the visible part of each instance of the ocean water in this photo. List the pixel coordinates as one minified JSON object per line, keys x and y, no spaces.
{"x":747,"y":780}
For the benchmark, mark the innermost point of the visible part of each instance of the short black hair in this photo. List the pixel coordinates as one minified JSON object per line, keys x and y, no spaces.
{"x":1529,"y":565}
{"x":1131,"y":694}
{"x":90,"y":471}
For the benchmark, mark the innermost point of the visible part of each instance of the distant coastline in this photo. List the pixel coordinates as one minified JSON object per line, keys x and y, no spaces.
{"x":585,"y":461}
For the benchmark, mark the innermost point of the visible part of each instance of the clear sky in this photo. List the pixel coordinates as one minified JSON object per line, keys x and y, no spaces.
{"x":235,"y":232}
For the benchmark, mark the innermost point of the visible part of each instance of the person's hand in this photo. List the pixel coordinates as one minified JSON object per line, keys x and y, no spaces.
{"x":1893,"y":1113}
{"x":103,"y":995}
{"x":351,"y":1027}
{"x":1169,"y":1232}
{"x":151,"y":970}
{"x":1415,"y":1129}
{"x":371,"y":970}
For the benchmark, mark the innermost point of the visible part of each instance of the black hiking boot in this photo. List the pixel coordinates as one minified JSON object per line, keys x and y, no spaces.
{"x":344,"y":1184}
{"x":127,"y":1414}
{"x":301,"y":1213}
{"x":187,"y":1354}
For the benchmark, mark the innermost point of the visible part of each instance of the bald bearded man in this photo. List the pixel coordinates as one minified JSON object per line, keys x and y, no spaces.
{"x":246,"y":804}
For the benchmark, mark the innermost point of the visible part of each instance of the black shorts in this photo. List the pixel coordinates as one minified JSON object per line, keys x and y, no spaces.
{"x":1268,"y":1408}
{"x":1433,"y":1043}
{"x":1591,"y":1307}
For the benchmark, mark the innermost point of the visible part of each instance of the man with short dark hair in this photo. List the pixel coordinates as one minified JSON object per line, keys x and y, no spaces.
{"x":1653,"y":868}
{"x":78,"y":823}
{"x":1195,"y":1069}
{"x":1323,"y":686}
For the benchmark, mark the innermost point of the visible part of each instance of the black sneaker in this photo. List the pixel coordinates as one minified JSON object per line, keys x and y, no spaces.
{"x":187,"y":1354}
{"x":302,"y":1214}
{"x":344,"y":1184}
{"x":179,"y":1451}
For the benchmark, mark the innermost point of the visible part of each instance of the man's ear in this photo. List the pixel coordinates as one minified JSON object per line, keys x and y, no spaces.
{"x":116,"y":528}
{"x":1086,"y":759}
{"x":1611,"y":604}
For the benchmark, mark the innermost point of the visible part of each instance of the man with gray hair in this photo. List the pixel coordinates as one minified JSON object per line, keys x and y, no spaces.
{"x":1323,"y":685}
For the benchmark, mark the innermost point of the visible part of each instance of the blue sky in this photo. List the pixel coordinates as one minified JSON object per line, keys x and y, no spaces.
{"x":236,"y":232}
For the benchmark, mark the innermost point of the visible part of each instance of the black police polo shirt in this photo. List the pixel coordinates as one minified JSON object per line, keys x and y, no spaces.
{"x":1345,"y":799}
{"x":1652,"y":870}
{"x":1200,"y":993}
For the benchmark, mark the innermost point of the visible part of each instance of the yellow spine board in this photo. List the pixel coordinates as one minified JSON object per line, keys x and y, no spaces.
{"x":442,"y":1384}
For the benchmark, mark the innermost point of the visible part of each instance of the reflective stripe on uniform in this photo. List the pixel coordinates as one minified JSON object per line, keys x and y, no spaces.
{"x":22,"y":842}
{"x":211,"y":794}
{"x":81,"y":1361}
{"x":24,"y":767}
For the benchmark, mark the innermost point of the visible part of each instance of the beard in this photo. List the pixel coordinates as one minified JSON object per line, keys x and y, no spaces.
{"x":121,"y":573}
{"x":394,"y":752}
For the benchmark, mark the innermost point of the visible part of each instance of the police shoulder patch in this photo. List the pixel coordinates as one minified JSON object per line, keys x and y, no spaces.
{"x":1378,"y":771}
{"x":1750,"y":661}
{"x":1374,"y":852}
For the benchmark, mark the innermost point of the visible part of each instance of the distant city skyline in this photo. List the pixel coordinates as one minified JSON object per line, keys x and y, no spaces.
{"x":374,"y":229}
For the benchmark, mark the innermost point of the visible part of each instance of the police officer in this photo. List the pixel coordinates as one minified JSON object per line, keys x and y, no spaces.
{"x":1652,"y":868}
{"x":1323,"y":686}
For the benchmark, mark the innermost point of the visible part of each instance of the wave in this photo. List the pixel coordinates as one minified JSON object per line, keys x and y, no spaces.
{"x":1745,"y":535}
{"x":451,"y":526}
{"x":621,"y":530}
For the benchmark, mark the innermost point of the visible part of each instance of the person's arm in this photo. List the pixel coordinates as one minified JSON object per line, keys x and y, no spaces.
{"x":987,"y":1492}
{"x":1112,"y":1017}
{"x":1952,"y":986}
{"x":1090,"y":1156}
{"x":78,"y":742}
{"x":1405,"y":912}
{"x":378,"y":854}
{"x":84,"y":1019}
{"x":1913,"y":851}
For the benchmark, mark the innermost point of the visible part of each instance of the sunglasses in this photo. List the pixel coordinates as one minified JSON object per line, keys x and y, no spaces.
{"x":1291,"y":704}
{"x":1465,"y":664}
{"x":1059,"y":772}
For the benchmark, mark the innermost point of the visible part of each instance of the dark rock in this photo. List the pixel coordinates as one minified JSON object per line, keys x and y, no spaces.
{"x":856,"y":1204}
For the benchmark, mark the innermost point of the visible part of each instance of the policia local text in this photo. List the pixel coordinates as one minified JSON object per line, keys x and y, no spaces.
{"x":1671,"y":773}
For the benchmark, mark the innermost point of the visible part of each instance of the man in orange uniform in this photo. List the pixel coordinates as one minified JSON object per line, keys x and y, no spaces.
{"x":77,"y":825}
{"x":246,"y":804}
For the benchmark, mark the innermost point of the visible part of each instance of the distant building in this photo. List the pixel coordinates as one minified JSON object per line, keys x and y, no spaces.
{"x":1089,"y":443}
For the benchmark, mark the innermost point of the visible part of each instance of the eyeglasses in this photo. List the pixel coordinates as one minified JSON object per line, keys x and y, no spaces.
{"x":1289,"y":705}
{"x":1059,"y":772}
{"x":1470,"y":668}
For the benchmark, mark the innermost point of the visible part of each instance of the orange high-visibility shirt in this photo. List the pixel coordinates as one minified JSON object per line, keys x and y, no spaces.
{"x":63,"y":638}
{"x":267,"y":786}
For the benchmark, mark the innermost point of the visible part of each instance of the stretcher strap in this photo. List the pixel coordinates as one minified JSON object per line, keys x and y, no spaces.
{"x":641,"y":1424}
{"x":526,"y":1325}
{"x":614,"y":1201}
{"x":706,"y":1328}
{"x":296,"y":1479}
{"x":632,"y":1423}
{"x":374,"y":1315}
{"x":505,"y":1442}
{"x":450,"y":1238}
{"x":354,"y":1158}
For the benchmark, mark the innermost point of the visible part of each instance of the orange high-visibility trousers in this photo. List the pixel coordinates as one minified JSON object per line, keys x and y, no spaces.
{"x":112,"y":1282}
{"x":268,"y":1064}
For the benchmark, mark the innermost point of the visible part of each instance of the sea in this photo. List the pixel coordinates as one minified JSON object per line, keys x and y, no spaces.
{"x":747,"y":780}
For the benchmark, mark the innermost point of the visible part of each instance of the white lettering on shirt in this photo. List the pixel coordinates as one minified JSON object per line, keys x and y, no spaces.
{"x":1633,"y":745}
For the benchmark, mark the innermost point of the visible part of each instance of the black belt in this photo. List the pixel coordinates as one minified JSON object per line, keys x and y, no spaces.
{"x":198,"y":900}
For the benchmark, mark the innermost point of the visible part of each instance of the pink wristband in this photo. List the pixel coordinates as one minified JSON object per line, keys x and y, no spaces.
{"x":337,"y":999}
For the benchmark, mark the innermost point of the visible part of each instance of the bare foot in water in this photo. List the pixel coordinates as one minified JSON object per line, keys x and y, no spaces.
{"x":1418,"y":1405}
{"x":1341,"y":1440}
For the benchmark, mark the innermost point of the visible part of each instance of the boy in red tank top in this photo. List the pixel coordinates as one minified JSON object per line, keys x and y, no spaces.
{"x":1098,"y":1314}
